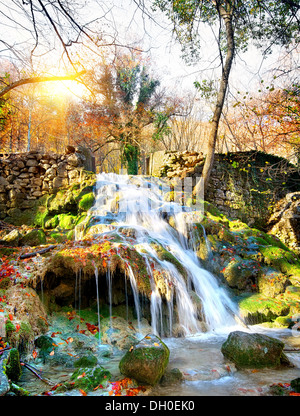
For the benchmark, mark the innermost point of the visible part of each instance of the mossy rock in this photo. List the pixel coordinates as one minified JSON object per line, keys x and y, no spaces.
{"x":283,"y":260}
{"x":89,"y":361}
{"x":67,"y":221}
{"x":18,"y":391}
{"x":271,"y":283}
{"x":241,"y":273}
{"x":88,"y":378}
{"x":58,"y":237}
{"x":87,"y":201}
{"x":165,"y":255}
{"x":12,"y":239}
{"x":146,"y":361}
{"x":13,"y":366}
{"x":295,"y":385}
{"x":248,"y":350}
{"x":44,"y":342}
{"x":256,"y":308}
{"x":52,"y":222}
{"x":33,"y":238}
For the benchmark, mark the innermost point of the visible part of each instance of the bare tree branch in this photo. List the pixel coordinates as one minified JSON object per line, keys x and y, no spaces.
{"x":33,"y":80}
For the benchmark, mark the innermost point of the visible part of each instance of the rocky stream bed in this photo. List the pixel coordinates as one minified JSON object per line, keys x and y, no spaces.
{"x":69,"y":322}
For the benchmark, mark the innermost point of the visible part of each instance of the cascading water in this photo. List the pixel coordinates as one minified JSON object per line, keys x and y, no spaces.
{"x":137,"y":204}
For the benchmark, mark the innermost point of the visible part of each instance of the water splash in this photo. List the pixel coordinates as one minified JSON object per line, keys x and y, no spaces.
{"x":138,"y":205}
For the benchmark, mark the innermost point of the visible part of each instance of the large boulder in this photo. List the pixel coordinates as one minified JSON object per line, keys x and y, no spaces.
{"x":249,"y":350}
{"x":146,"y":361}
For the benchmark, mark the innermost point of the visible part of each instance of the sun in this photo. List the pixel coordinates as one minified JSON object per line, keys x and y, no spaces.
{"x":61,"y":90}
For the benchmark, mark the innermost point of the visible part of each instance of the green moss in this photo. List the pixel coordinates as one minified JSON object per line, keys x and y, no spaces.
{"x":89,"y":361}
{"x":33,"y":238}
{"x":9,"y":327}
{"x":87,"y":201}
{"x":18,"y":391}
{"x":283,"y":260}
{"x":88,"y":378}
{"x":44,"y":342}
{"x":58,"y":237}
{"x":13,"y":367}
{"x":165,"y":255}
{"x":257,"y":308}
{"x":67,"y":221}
{"x":52,"y":222}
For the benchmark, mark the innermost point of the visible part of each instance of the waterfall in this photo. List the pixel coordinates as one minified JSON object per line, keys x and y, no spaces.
{"x":98,"y":305}
{"x":137,"y":204}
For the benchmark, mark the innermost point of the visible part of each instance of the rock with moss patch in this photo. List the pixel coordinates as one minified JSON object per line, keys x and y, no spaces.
{"x":146,"y":361}
{"x":88,"y":378}
{"x":86,"y":361}
{"x":33,"y":238}
{"x":295,"y":385}
{"x":13,"y":367}
{"x":249,"y":350}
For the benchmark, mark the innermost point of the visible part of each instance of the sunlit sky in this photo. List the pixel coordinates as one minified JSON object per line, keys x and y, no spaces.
{"x":123,"y":17}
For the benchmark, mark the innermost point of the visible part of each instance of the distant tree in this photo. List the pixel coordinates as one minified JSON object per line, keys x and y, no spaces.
{"x":267,"y":121}
{"x":266,"y":23}
{"x":126,"y":103}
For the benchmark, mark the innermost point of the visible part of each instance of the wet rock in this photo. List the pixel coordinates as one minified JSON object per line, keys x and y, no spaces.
{"x":13,"y":366}
{"x":171,"y":377}
{"x":4,"y":384}
{"x":249,"y":350}
{"x":146,"y":361}
{"x":295,"y":385}
{"x":88,"y":378}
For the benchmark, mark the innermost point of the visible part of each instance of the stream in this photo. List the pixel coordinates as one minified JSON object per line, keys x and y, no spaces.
{"x":205,"y":371}
{"x":140,"y":206}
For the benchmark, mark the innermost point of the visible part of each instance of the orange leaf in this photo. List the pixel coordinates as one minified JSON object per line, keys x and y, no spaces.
{"x":104,"y":263}
{"x":11,"y":317}
{"x":83,"y":392}
{"x":34,"y":354}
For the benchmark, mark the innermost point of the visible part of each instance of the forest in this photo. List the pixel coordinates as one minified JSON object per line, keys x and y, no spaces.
{"x":149,"y":198}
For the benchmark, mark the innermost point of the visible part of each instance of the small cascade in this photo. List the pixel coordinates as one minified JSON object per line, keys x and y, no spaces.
{"x":98,"y":303}
{"x":175,"y":274}
{"x":109,"y":285}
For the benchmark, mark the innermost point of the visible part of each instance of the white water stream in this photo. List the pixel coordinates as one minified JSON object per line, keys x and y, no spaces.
{"x":139,"y":205}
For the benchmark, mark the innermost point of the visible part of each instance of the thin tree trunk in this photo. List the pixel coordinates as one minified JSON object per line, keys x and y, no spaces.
{"x":212,"y":139}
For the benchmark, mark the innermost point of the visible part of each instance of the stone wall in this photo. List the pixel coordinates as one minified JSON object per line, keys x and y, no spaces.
{"x":243,"y":185}
{"x":25,"y":177}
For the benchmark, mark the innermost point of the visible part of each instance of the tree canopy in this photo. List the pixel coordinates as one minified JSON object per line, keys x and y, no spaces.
{"x":237,"y":23}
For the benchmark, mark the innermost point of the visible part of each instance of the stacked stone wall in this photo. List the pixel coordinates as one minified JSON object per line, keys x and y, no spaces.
{"x":25,"y":177}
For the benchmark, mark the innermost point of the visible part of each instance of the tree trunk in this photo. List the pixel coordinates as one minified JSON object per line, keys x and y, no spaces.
{"x":212,"y":139}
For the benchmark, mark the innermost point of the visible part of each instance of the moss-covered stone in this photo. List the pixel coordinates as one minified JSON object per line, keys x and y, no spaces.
{"x":13,"y":367}
{"x":88,"y":378}
{"x":86,"y":361}
{"x":146,"y":361}
{"x":241,"y":273}
{"x":87,"y":201}
{"x":256,"y":308}
{"x":248,"y":350}
{"x":33,"y":238}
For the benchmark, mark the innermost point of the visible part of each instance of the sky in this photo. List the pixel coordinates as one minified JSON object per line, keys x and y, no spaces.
{"x":122,"y":17}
